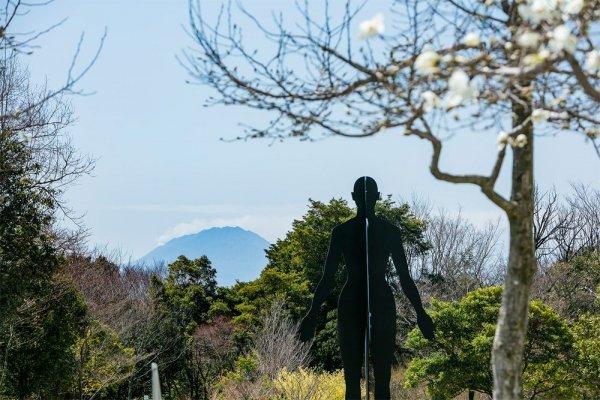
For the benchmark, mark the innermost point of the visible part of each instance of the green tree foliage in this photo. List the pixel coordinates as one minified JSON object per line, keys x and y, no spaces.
{"x":103,"y":362}
{"x":41,"y":314}
{"x":586,"y":331}
{"x":571,"y":287}
{"x":244,"y":381}
{"x":289,"y":287}
{"x":181,"y":339}
{"x":188,"y":291}
{"x":38,"y":349}
{"x":295,"y":265}
{"x":304,"y":248}
{"x":26,"y":215}
{"x":459,"y":358}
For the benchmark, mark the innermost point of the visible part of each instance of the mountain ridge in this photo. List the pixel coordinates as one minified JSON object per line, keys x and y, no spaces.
{"x":235,"y":253}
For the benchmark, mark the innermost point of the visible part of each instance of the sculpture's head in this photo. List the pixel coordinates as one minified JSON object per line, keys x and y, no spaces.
{"x":365,"y":194}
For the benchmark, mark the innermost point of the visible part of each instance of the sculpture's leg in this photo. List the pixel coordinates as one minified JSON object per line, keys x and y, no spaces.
{"x":382,"y":349}
{"x":382,"y":371}
{"x":351,"y":329}
{"x":382,"y":346}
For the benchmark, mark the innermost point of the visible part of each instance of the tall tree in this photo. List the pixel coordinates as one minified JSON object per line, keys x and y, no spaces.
{"x":445,"y":67}
{"x":182,"y":302}
{"x":41,"y":314}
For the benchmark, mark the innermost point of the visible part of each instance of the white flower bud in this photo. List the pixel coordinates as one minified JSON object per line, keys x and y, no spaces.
{"x":529,"y":39}
{"x":430,"y":100}
{"x":572,"y":7}
{"x":472,"y":39}
{"x":592,"y":61}
{"x":372,"y":27}
{"x":426,"y":63}
{"x":562,"y":39}
{"x":540,"y":115}
{"x":520,"y":140}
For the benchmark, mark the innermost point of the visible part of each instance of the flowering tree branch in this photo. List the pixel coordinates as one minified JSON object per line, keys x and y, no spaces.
{"x":485,"y":182}
{"x":582,"y":78}
{"x":513,"y":67}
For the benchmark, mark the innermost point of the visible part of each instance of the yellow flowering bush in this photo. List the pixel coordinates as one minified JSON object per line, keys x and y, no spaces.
{"x":305,"y":384}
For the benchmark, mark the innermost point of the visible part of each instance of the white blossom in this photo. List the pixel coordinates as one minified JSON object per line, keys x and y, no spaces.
{"x":446,"y":58}
{"x":536,"y":11}
{"x":460,"y":59}
{"x":460,"y":89}
{"x":427,"y":62}
{"x":529,"y":39}
{"x":372,"y":27}
{"x":472,"y":39}
{"x":592,"y":61}
{"x":393,"y":69}
{"x":520,"y":140}
{"x":430,"y":100}
{"x":502,"y":139}
{"x":540,"y":115}
{"x":534,"y":59}
{"x":572,"y":6}
{"x":562,"y":39}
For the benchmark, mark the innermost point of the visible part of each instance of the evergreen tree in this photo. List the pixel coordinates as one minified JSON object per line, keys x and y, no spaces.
{"x":459,"y":358}
{"x":41,"y":314}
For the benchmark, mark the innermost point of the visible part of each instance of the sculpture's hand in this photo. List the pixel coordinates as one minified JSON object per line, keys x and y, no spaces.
{"x":426,"y":326}
{"x":307,"y":327}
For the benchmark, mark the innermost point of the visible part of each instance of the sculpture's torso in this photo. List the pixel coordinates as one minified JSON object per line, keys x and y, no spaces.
{"x":352,"y":239}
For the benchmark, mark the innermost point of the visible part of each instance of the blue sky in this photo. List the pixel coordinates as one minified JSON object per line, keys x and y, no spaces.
{"x":162,"y":170}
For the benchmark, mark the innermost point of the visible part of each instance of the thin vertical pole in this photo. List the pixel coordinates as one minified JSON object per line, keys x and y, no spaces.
{"x":368,"y":325}
{"x":156,"y":395}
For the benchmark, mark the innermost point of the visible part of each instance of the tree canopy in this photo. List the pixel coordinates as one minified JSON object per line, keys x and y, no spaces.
{"x":557,"y":355}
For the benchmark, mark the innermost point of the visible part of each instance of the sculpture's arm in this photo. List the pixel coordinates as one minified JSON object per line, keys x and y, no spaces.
{"x":408,"y":285}
{"x":332,"y":261}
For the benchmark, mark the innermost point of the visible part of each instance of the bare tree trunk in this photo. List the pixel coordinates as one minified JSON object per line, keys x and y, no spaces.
{"x":507,"y":353}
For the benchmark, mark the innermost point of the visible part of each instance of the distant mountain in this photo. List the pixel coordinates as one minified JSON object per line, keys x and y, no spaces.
{"x":234,"y":252}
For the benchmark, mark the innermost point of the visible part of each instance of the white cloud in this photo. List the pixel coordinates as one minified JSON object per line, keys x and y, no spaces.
{"x":268,"y":226}
{"x":268,"y":220}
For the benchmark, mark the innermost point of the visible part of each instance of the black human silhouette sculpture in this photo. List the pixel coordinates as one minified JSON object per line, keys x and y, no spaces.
{"x":366,"y":242}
